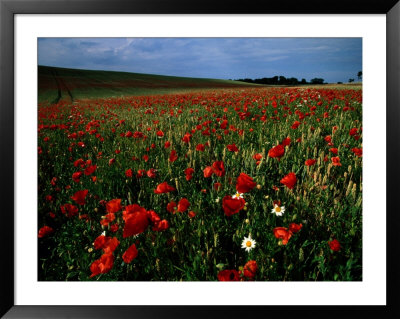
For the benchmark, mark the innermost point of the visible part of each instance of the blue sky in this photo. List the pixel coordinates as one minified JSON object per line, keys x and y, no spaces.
{"x":333,"y":59}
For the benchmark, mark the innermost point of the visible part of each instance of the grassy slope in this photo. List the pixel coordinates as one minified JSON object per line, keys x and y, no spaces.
{"x":60,"y":83}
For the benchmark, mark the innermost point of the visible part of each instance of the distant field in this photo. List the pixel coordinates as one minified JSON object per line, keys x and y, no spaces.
{"x":55,"y":84}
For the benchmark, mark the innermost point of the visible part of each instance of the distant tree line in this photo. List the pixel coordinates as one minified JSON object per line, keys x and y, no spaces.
{"x":281,"y":80}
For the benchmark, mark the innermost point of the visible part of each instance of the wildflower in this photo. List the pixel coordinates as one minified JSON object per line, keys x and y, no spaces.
{"x":130,"y":254}
{"x":278,"y":210}
{"x":282,"y":233}
{"x":244,"y":183}
{"x":232,"y":206}
{"x":237,"y":195}
{"x":164,"y":188}
{"x":228,"y":275}
{"x":289,"y":180}
{"x":102,"y":265}
{"x":277,"y":151}
{"x":250,"y":269}
{"x":218,"y":168}
{"x":334,"y":245}
{"x":79,"y":197}
{"x":336,"y":161}
{"x":232,"y":148}
{"x":310,"y":162}
{"x":44,"y":231}
{"x":173,"y":156}
{"x":183,"y":205}
{"x":189,"y":173}
{"x":208,"y":171}
{"x":248,"y":243}
{"x":136,"y":220}
{"x":113,"y":206}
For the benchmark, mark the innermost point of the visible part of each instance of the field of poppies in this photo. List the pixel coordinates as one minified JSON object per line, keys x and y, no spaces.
{"x":226,"y":184}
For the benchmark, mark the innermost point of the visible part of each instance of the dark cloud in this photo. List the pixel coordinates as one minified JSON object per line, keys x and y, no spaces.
{"x":334,"y":59}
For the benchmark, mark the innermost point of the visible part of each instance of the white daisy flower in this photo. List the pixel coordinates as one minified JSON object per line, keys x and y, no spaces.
{"x":278,"y":210}
{"x":248,"y":243}
{"x":237,"y":195}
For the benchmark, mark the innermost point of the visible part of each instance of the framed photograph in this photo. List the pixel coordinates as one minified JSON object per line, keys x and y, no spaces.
{"x":151,"y":150}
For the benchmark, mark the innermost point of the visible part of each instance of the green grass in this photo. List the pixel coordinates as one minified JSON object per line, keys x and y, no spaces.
{"x":326,"y":199}
{"x":87,"y":84}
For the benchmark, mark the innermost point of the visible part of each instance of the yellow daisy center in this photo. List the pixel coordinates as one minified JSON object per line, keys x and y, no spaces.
{"x":277,"y":209}
{"x":248,"y":243}
{"x":237,"y":195}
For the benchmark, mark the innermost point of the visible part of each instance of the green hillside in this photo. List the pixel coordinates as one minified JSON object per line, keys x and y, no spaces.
{"x":56,"y":84}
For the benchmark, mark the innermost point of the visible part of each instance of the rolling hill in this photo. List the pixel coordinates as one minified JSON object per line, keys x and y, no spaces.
{"x":55,"y":84}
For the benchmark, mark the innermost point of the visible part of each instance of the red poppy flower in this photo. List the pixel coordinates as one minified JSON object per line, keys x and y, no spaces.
{"x":173,"y":156}
{"x":110,"y":217}
{"x":208,"y":171}
{"x":113,"y":206}
{"x":160,"y":225}
{"x":153,"y":216}
{"x":228,"y":275}
{"x":295,"y":124}
{"x":160,"y":133}
{"x":294,"y":228}
{"x":289,"y":180}
{"x":277,"y":151}
{"x":333,"y":150}
{"x":334,"y":245}
{"x":70,"y":210}
{"x":102,"y":265}
{"x":191,"y":214}
{"x":111,"y":161}
{"x":90,"y":170}
{"x":257,"y":156}
{"x":218,"y":168}
{"x":129,"y":173}
{"x":200,"y":147}
{"x":44,"y":231}
{"x":151,"y":173}
{"x":76,"y":176}
{"x":79,"y":197}
{"x":310,"y":162}
{"x":171,"y":207}
{"x":250,"y":269}
{"x":130,"y":254}
{"x":164,"y":188}
{"x":244,"y":183}
{"x":167,"y":144}
{"x":286,"y":141}
{"x":232,"y":148}
{"x":136,"y":220}
{"x":140,"y":173}
{"x":328,"y":139}
{"x":282,"y":233}
{"x":111,"y":245}
{"x":79,"y":162}
{"x":114,"y":228}
{"x":231,"y":205}
{"x":186,"y":138}
{"x":336,"y":161}
{"x":183,"y":205}
{"x":353,"y":131}
{"x":100,"y":242}
{"x":189,"y":172}
{"x":357,"y":151}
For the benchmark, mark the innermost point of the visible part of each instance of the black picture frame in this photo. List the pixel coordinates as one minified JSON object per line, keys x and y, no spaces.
{"x":8,"y":8}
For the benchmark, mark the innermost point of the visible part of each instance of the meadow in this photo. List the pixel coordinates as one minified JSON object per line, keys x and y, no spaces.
{"x":197,"y":180}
